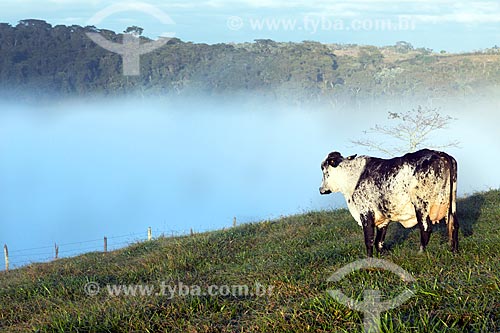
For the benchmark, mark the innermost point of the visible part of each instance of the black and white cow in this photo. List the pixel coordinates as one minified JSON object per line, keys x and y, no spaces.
{"x":417,"y":188}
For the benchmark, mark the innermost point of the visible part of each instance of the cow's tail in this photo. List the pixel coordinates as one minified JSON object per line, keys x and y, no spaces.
{"x":452,"y":211}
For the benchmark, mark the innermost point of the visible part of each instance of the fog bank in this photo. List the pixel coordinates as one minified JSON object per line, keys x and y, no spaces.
{"x":76,"y":171}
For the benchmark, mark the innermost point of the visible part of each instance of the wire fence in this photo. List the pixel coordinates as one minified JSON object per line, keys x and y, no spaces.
{"x":16,"y":258}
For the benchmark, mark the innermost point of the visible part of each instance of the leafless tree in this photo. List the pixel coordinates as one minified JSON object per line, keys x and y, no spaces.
{"x":413,"y":131}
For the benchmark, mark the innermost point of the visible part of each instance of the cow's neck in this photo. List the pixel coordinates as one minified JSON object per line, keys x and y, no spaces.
{"x":352,"y":171}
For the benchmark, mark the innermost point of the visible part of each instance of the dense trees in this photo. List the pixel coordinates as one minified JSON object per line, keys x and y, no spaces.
{"x":38,"y":59}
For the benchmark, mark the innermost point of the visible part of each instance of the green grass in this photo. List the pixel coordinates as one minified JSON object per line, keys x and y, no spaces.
{"x":295,"y":255}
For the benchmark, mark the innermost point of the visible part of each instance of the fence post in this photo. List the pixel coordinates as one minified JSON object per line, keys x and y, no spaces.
{"x":56,"y":248}
{"x":234,"y":221}
{"x":6,"y":253}
{"x":105,"y":244}
{"x":150,"y":234}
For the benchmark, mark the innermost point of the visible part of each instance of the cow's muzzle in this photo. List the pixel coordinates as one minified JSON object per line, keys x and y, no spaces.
{"x":322,"y":191}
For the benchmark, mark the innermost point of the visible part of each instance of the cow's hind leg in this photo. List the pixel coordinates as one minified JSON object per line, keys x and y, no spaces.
{"x":425,"y":226}
{"x":453,"y":223}
{"x":379,"y":239}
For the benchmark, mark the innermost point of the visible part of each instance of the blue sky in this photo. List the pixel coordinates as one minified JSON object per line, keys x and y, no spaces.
{"x":438,"y":24}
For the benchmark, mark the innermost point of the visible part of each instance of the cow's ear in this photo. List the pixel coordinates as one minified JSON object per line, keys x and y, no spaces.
{"x":352,"y":157}
{"x":334,"y":162}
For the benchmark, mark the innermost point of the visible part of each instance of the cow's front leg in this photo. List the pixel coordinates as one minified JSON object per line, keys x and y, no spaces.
{"x":368,"y":223}
{"x":379,"y":239}
{"x":425,"y":226}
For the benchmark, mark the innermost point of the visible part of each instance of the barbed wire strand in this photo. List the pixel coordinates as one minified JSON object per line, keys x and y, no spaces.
{"x":18,"y":257}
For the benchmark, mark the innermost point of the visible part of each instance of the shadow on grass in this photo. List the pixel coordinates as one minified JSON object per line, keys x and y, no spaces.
{"x":397,"y":236}
{"x":468,"y":212}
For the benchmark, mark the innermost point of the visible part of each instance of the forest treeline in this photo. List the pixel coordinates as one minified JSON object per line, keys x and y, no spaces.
{"x":38,"y":59}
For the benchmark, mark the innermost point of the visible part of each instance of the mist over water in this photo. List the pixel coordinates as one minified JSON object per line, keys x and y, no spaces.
{"x":76,"y":171}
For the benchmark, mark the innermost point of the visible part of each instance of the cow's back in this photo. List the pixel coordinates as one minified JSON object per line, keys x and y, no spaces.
{"x":392,"y":188}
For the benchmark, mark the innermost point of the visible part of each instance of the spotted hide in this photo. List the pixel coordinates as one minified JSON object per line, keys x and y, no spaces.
{"x":415,"y":189}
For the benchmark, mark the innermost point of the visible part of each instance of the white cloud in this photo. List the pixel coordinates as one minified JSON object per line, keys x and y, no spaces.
{"x":460,"y":17}
{"x":462,"y":11}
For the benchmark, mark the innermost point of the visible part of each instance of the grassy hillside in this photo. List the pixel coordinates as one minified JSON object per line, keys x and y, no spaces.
{"x":295,"y":255}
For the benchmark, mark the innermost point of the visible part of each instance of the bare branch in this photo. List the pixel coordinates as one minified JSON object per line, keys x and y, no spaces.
{"x":373,"y":147}
{"x":413,"y":129}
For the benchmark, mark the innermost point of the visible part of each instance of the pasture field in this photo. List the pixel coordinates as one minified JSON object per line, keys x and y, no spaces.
{"x":290,"y":258}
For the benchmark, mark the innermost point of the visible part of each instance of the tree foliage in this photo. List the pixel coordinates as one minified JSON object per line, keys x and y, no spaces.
{"x":39,"y":58}
{"x":134,"y":30}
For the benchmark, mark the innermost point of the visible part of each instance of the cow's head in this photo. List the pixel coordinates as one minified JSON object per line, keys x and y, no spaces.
{"x":333,"y":172}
